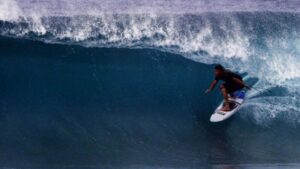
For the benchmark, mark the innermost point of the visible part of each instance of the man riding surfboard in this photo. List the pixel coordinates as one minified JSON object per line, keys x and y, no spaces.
{"x":233,"y":82}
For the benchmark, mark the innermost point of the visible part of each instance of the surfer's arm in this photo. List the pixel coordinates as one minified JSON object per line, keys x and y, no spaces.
{"x":240,"y":82}
{"x":212,"y":86}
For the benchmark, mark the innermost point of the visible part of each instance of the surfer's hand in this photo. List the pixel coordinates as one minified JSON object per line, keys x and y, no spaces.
{"x":207,"y":91}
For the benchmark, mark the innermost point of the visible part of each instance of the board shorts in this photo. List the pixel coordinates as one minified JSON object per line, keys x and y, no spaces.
{"x":231,"y":87}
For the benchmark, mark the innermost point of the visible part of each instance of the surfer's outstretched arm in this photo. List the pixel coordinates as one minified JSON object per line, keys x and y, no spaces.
{"x":212,"y":86}
{"x":240,"y":82}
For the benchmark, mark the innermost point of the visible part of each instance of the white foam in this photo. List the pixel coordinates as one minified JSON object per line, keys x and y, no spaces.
{"x":9,"y":10}
{"x":266,"y":110}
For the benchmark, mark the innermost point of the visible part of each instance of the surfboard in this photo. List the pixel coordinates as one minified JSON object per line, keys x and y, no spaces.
{"x":235,"y":102}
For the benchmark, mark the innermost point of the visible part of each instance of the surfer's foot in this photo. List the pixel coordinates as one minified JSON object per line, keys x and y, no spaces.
{"x":226,"y":107}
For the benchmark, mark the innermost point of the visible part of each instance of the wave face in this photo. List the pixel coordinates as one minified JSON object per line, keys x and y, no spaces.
{"x":95,"y":85}
{"x":69,"y":106}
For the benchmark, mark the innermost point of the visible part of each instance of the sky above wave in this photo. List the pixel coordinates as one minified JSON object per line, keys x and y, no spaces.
{"x":75,"y":7}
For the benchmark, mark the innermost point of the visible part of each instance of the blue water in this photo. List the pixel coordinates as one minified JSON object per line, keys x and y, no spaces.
{"x":90,"y":86}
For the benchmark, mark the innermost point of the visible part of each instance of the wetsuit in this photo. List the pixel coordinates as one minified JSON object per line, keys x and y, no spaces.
{"x":230,"y":85}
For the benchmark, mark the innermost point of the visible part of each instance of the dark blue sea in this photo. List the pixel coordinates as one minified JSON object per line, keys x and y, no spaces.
{"x":120,"y":84}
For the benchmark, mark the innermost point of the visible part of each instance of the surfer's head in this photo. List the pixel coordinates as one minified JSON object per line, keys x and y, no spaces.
{"x":219,"y":69}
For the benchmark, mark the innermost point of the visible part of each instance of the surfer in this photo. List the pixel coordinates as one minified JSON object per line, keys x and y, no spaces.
{"x":233,"y":82}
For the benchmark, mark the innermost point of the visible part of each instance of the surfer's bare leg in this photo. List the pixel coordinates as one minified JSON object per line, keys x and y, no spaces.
{"x":225,"y":95}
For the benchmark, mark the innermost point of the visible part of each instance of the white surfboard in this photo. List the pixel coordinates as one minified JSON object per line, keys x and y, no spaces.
{"x":235,"y":103}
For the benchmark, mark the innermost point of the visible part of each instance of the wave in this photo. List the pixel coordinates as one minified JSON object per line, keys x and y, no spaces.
{"x":244,"y":42}
{"x":80,"y":87}
{"x":71,"y":105}
{"x":265,"y":45}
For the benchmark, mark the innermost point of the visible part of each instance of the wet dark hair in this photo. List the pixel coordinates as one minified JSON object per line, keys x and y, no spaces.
{"x":219,"y":67}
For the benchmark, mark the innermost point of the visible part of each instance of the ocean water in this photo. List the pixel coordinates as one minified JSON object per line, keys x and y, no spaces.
{"x":120,"y":84}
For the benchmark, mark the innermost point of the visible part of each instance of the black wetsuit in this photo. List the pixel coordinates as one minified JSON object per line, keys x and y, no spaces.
{"x":230,"y":85}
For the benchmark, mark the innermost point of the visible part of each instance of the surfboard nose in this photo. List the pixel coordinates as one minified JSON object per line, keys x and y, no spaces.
{"x":215,"y":118}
